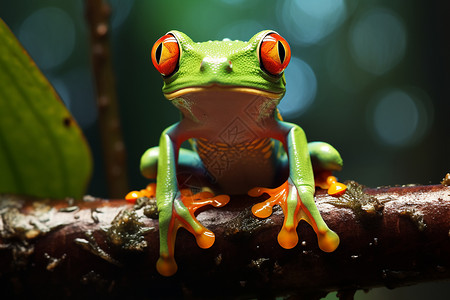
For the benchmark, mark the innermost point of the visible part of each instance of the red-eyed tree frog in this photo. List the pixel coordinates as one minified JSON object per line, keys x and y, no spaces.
{"x":227,"y":93}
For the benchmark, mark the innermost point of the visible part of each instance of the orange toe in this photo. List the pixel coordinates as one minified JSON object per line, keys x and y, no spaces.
{"x":133,"y":196}
{"x":335,"y":188}
{"x":166,"y":265}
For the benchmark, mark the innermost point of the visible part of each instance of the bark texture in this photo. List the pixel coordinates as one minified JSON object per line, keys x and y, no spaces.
{"x":391,"y":236}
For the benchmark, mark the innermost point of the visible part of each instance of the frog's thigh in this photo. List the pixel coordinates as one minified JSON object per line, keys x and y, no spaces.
{"x":149,"y":163}
{"x":324,"y":157}
{"x":188,"y":160}
{"x":190,"y":170}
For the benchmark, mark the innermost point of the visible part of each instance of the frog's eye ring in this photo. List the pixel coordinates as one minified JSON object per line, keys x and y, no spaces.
{"x":274,"y":54}
{"x":166,"y":54}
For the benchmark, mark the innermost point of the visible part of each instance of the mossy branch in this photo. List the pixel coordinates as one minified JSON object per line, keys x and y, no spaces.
{"x":390,"y":237}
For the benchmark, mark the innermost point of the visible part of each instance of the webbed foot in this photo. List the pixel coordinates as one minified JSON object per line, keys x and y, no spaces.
{"x":182,"y":215}
{"x":294,"y":210}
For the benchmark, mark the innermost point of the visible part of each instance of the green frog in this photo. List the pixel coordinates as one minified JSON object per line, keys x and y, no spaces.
{"x":227,"y":93}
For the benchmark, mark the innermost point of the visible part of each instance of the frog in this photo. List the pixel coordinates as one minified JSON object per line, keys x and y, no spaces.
{"x":227,"y":93}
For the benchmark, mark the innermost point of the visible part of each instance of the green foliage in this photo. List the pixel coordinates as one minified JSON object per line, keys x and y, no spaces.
{"x":42,"y":150}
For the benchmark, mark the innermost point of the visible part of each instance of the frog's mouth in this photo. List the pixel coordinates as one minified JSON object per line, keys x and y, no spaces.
{"x":215,"y":87}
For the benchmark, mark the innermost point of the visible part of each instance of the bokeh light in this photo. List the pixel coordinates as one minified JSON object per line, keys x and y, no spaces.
{"x":49,"y":36}
{"x":307,"y":22}
{"x":301,"y":88}
{"x":400,"y":117}
{"x":378,"y":40}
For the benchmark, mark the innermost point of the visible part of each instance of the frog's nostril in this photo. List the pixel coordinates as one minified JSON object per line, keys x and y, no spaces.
{"x":229,"y":66}
{"x":202,"y":65}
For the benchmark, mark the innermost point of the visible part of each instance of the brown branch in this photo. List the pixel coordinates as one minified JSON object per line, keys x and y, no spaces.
{"x":389,"y":237}
{"x":113,"y":149}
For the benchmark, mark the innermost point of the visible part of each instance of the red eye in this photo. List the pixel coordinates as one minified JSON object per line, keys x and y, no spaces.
{"x":165,"y":55}
{"x":274,"y":54}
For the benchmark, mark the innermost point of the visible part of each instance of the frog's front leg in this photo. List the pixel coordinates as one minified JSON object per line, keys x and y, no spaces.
{"x":176,"y":208}
{"x":296,"y":196}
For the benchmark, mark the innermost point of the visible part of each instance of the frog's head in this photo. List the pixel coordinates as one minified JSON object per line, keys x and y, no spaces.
{"x":254,"y":67}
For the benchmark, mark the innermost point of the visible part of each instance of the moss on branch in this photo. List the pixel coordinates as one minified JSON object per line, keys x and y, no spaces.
{"x":109,"y":247}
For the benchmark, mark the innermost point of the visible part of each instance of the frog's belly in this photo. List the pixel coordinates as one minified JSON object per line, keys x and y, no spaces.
{"x":235,"y":169}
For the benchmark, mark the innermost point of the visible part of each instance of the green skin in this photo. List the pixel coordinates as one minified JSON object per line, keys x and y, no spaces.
{"x":228,"y":103}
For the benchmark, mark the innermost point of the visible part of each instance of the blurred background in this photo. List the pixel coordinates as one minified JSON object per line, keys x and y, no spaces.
{"x":370,"y":77}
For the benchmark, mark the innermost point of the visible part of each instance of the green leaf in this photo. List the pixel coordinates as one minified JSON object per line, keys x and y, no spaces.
{"x":42,"y":150}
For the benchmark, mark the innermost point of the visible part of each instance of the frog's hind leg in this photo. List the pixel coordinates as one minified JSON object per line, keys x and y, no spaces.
{"x":326,"y":159}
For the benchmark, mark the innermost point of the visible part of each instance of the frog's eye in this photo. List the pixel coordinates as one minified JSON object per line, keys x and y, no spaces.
{"x":166,"y":54}
{"x":274,"y":54}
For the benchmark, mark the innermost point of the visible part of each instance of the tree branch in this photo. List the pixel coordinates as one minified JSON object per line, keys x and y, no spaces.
{"x":113,"y":149}
{"x":390,"y":237}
